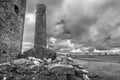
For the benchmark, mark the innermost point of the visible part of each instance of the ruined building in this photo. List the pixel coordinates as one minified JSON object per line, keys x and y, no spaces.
{"x":12,"y":14}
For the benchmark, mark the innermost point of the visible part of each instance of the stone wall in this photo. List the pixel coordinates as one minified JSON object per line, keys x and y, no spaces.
{"x":12,"y":13}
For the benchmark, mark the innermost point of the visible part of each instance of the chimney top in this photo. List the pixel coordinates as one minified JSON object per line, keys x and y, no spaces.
{"x":41,"y":8}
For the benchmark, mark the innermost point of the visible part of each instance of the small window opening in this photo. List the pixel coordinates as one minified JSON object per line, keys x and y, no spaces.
{"x":16,"y":9}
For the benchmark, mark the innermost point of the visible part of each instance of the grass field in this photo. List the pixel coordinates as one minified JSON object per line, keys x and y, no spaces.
{"x":103,"y":58}
{"x":100,"y":67}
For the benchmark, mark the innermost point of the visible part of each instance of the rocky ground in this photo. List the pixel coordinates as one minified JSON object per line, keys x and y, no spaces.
{"x":63,"y":68}
{"x":36,"y":69}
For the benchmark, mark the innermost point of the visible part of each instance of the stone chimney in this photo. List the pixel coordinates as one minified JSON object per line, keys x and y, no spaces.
{"x":40,"y":26}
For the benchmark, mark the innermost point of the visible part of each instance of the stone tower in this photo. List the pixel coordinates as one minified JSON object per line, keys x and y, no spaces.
{"x":40,"y":26}
{"x":40,"y":41}
{"x":12,"y":14}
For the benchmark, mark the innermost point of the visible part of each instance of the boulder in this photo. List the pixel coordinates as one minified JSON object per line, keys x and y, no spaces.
{"x":39,"y":52}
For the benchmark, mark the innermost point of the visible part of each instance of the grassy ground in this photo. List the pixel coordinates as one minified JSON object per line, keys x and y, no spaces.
{"x":103,"y":58}
{"x":101,"y":67}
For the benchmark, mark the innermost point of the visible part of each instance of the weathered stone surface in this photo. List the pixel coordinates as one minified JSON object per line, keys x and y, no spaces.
{"x":39,"y":52}
{"x":40,"y":26}
{"x":12,"y":14}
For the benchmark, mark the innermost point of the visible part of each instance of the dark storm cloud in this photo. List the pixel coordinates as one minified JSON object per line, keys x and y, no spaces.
{"x":100,"y":22}
{"x":106,"y":27}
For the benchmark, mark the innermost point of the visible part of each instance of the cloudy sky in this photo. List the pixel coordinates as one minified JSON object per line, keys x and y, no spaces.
{"x":93,"y":23}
